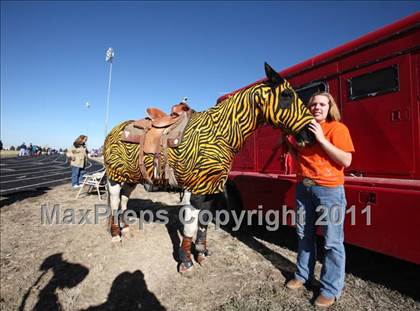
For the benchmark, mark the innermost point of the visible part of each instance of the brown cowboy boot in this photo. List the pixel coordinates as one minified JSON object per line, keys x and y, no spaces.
{"x":185,"y":255}
{"x":295,"y":284}
{"x":201,"y":244}
{"x":114,"y":229}
{"x":323,"y":302}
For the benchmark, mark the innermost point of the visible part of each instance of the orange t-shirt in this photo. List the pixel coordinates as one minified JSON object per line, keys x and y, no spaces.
{"x":314,"y":162}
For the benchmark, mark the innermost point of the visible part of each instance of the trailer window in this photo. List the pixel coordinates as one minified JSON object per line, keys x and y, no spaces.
{"x":306,"y":91}
{"x":374,"y":83}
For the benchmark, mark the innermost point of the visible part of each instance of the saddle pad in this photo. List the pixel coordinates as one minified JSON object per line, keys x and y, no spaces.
{"x":132,"y":134}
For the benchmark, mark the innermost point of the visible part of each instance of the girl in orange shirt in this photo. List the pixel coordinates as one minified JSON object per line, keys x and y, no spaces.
{"x":320,"y":191}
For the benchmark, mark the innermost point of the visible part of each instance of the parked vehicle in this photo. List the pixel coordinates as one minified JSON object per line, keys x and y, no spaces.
{"x":376,"y":82}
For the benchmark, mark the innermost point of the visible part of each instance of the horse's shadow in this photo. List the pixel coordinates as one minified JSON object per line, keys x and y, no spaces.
{"x":147,"y":211}
{"x":247,"y":235}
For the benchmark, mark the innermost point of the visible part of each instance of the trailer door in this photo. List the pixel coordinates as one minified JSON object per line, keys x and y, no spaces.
{"x":377,"y":109}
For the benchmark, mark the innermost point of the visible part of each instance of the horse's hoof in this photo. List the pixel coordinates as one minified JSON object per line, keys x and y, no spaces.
{"x":202,"y":256}
{"x":126,"y":233}
{"x":185,"y":268}
{"x":201,"y":259}
{"x":116,"y":239}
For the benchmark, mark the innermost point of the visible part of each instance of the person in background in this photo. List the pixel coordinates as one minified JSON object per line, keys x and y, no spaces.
{"x":78,"y":160}
{"x":320,"y":190}
{"x":22,"y":150}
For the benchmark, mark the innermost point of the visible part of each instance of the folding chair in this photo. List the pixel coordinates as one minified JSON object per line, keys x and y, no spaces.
{"x":94,"y":180}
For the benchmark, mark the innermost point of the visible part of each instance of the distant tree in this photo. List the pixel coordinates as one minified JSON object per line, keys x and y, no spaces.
{"x":12,"y":148}
{"x":1,"y":145}
{"x":61,"y":150}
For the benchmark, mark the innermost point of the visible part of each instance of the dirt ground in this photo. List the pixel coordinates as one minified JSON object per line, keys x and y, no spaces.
{"x":75,"y":267}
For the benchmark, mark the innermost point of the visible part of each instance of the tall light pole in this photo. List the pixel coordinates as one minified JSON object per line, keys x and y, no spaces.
{"x":87,"y":105}
{"x":109,"y":57}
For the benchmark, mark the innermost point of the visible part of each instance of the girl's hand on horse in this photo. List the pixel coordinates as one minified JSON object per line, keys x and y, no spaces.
{"x":316,"y":128}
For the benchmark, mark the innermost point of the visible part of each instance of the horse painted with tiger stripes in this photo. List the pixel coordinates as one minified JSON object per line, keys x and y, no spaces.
{"x":203,"y":159}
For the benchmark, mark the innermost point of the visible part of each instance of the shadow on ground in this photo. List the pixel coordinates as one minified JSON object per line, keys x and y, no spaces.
{"x":148,"y":211}
{"x":65,"y":275}
{"x":129,"y":292}
{"x":387,"y":271}
{"x":7,"y":199}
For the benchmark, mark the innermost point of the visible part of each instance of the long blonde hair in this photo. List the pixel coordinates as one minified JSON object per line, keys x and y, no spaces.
{"x":333,"y":111}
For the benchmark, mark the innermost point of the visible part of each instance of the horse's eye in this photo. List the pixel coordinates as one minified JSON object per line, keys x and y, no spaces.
{"x":286,"y":99}
{"x":287,"y":93}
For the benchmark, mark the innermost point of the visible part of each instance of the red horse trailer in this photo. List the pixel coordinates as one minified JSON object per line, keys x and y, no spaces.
{"x":376,"y":82}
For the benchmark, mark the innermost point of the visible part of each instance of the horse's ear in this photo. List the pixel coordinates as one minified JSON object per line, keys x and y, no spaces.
{"x":272,"y":75}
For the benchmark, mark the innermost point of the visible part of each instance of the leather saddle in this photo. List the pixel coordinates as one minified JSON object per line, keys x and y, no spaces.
{"x":155,"y":134}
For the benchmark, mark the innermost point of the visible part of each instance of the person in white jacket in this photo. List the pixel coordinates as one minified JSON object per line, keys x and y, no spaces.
{"x":77,"y":155}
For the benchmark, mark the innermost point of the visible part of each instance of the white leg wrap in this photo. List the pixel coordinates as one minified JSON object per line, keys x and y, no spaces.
{"x":114,"y":196}
{"x":125,"y":195}
{"x":186,"y":198}
{"x":191,"y":221}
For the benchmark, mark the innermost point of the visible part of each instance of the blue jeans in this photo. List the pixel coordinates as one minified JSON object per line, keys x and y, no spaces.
{"x":313,"y":202}
{"x":77,"y":175}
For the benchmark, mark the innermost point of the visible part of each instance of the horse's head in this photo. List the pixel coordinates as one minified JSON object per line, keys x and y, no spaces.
{"x":281,"y":107}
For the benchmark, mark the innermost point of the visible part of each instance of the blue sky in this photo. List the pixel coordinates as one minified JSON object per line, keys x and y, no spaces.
{"x":53,"y":56}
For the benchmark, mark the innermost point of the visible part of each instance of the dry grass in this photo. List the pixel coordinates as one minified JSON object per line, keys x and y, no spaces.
{"x":76,"y":266}
{"x":8,"y":153}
